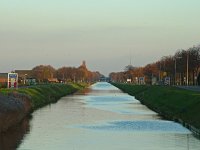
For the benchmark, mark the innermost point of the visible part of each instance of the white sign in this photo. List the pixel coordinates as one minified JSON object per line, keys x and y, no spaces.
{"x":128,"y":80}
{"x":12,"y":80}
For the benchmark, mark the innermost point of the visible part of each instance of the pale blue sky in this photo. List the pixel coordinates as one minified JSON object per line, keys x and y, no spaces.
{"x":102,"y":32}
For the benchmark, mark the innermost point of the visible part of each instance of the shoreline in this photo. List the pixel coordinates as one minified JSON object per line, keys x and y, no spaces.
{"x":169,"y":102}
{"x":16,"y":104}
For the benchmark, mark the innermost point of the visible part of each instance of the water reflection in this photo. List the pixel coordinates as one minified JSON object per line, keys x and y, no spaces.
{"x":11,"y":139}
{"x":159,"y":126}
{"x":103,"y":117}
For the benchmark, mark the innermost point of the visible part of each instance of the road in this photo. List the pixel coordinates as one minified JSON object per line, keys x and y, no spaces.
{"x":192,"y":88}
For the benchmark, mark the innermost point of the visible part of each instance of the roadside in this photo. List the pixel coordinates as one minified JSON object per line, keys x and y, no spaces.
{"x":192,"y":88}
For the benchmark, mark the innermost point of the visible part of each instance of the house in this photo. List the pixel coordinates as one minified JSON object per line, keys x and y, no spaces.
{"x":53,"y":80}
{"x":3,"y":80}
{"x":30,"y":81}
{"x":22,"y":73}
{"x":9,"y":80}
{"x":25,"y":76}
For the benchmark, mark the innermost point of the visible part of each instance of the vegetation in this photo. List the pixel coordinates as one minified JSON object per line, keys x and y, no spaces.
{"x":170,"y":102}
{"x":174,"y":67}
{"x":41,"y":95}
{"x":64,"y":74}
{"x":18,"y":103}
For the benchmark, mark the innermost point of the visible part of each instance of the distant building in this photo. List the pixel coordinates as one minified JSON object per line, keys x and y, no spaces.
{"x":128,"y":80}
{"x":3,"y":80}
{"x":104,"y":79}
{"x":30,"y":81}
{"x":25,"y":76}
{"x":22,"y":73}
{"x":84,"y":63}
{"x":53,"y":80}
{"x":8,"y":80}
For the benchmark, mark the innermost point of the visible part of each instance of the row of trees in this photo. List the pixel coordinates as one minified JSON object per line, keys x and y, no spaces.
{"x":65,"y":74}
{"x":182,"y":68}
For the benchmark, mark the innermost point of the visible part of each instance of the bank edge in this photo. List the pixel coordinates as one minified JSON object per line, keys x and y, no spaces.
{"x":15,"y":104}
{"x":171,"y":103}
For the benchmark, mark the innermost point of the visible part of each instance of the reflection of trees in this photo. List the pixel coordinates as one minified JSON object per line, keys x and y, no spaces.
{"x":11,"y":139}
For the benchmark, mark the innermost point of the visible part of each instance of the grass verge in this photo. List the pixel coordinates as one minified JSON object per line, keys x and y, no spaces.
{"x":170,"y":102}
{"x":42,"y":95}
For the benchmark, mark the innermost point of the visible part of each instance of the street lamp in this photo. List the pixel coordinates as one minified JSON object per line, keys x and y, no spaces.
{"x":187,"y":68}
{"x":159,"y":71}
{"x":162,"y":62}
{"x":175,"y":68}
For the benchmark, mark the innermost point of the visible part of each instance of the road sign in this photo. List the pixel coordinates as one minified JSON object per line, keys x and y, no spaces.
{"x":12,"y":80}
{"x":141,"y":80}
{"x":167,"y":81}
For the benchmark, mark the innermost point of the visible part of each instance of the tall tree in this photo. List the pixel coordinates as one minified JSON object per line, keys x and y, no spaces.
{"x":43,"y":72}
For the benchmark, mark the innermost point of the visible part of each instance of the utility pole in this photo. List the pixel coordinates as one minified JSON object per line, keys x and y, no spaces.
{"x":175,"y":66}
{"x":187,"y":68}
{"x":175,"y":72}
{"x":130,"y":58}
{"x":160,"y":72}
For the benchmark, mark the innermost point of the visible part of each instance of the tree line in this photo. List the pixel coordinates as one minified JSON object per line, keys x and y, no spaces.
{"x":44,"y":73}
{"x":182,"y":68}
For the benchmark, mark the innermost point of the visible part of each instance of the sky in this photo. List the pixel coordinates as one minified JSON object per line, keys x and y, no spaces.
{"x":104,"y":33}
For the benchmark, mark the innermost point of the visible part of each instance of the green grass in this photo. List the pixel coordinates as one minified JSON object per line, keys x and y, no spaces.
{"x":171,"y":102}
{"x":42,"y":95}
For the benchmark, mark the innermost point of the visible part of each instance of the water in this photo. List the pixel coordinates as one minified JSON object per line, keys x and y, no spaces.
{"x":103,"y":118}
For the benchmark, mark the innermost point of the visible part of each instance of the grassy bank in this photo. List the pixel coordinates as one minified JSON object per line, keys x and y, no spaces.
{"x":44,"y":94}
{"x":171,"y":102}
{"x":15,"y":104}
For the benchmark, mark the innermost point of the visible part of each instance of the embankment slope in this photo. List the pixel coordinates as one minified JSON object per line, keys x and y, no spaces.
{"x":16,"y":104}
{"x":170,"y":102}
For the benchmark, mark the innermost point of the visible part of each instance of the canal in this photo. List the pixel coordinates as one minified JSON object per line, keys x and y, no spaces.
{"x":102,"y":117}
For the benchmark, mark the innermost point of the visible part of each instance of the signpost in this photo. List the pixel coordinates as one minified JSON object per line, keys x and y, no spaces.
{"x":167,"y":81}
{"x":12,"y":80}
{"x":141,"y":80}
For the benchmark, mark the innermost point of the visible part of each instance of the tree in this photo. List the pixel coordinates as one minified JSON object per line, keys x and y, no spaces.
{"x":43,"y":72}
{"x":129,"y":68}
{"x":77,"y":74}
